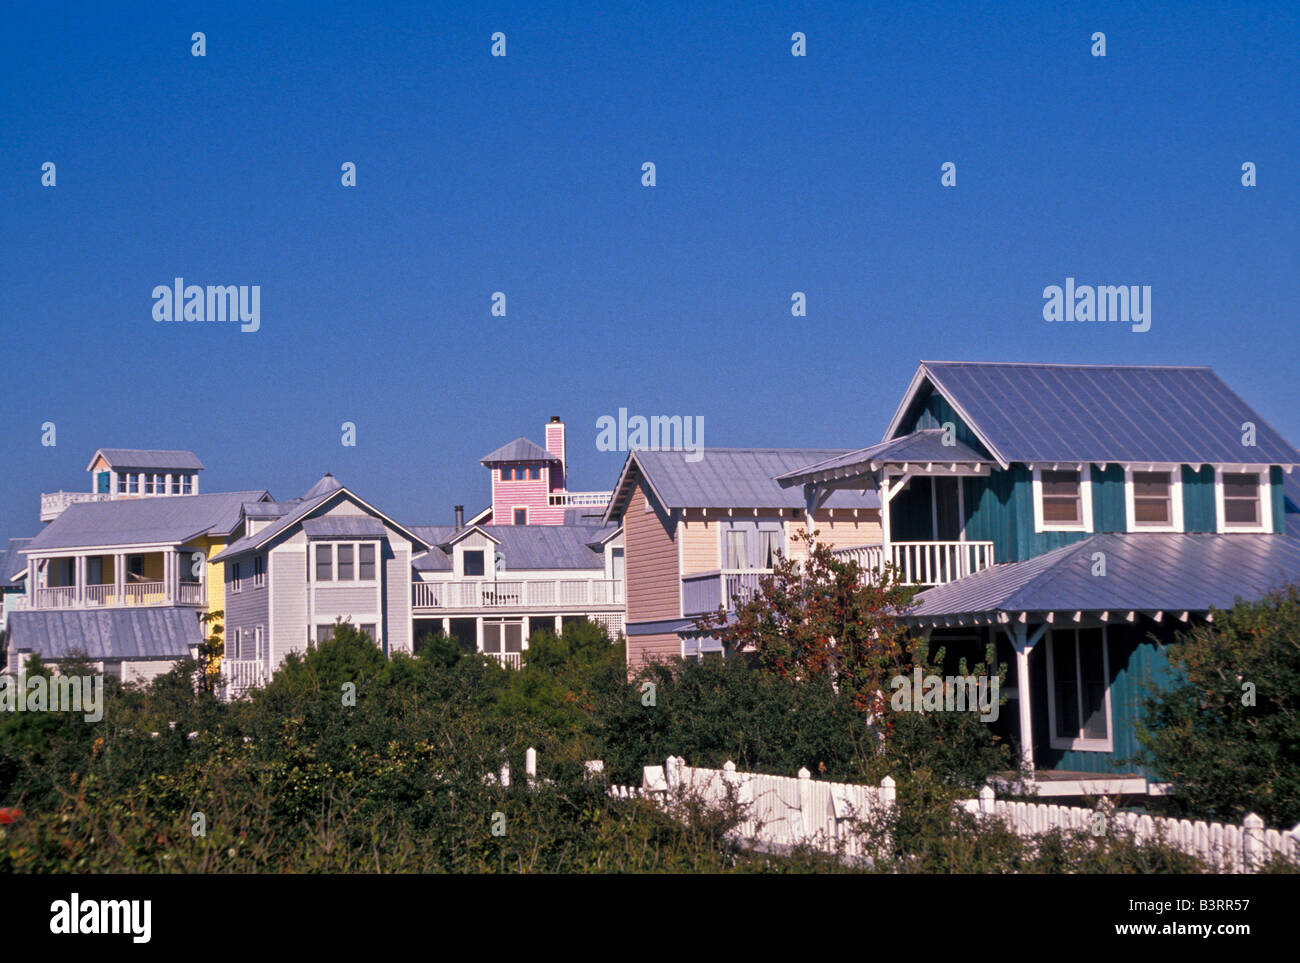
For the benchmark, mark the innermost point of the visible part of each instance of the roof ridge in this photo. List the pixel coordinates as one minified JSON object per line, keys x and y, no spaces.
{"x":1074,"y":364}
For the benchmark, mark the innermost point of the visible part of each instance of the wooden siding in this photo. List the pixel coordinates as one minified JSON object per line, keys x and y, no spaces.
{"x":287,"y":571}
{"x":1198,"y":499}
{"x":1279,"y":500}
{"x":642,"y":649}
{"x":1109,"y":509}
{"x":931,"y":410}
{"x":1000,"y":509}
{"x":653,"y":586}
{"x":699,"y":540}
{"x":842,"y":531}
{"x":397,"y":595}
{"x":247,"y":609}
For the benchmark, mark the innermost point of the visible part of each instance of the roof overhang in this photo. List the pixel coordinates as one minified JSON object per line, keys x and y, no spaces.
{"x":924,"y":374}
{"x":626,"y":487}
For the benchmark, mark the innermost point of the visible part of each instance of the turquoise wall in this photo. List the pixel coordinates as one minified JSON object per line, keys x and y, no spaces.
{"x":1135,"y":658}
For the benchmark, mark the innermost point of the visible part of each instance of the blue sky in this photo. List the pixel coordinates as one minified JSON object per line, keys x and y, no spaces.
{"x":522,"y":174}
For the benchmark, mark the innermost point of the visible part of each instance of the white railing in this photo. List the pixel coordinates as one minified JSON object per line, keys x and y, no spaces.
{"x":725,"y":588}
{"x":511,"y":660}
{"x":132,"y":593}
{"x":924,"y":563}
{"x":579,"y":499}
{"x":54,"y":503}
{"x":144,"y":593}
{"x":189,"y":593}
{"x":56,"y":597}
{"x":240,"y":675}
{"x":1224,"y":847}
{"x":516,"y":593}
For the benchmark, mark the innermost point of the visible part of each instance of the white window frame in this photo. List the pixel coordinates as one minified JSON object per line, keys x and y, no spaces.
{"x":1265,"y":490}
{"x":518,"y":508}
{"x":1079,"y":743}
{"x":236,"y":581}
{"x":1085,"y":499}
{"x":259,"y":577}
{"x":258,"y":652}
{"x":1175,"y":498}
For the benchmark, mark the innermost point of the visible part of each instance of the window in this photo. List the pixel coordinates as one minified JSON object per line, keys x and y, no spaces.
{"x":534,"y":472}
{"x":503,"y":636}
{"x":135,"y":567}
{"x":133,"y":484}
{"x":508,"y":473}
{"x":1245,"y":504}
{"x":257,"y":643}
{"x":102,"y":481}
{"x":236,"y":583}
{"x":187,"y":484}
{"x":1078,"y":673}
{"x":324,"y":563}
{"x":324,"y":633}
{"x":259,"y":570}
{"x":121,"y":484}
{"x":148,"y":484}
{"x":750,"y":548}
{"x":367,"y":562}
{"x":1154,"y":498}
{"x":239,"y":644}
{"x":521,"y":516}
{"x":369,"y":629}
{"x":345,"y":563}
{"x":1062,"y":502}
{"x":473,"y":562}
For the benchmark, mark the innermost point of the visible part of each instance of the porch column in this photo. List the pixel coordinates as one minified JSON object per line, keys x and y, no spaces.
{"x":478,"y":633}
{"x":119,"y":577}
{"x":79,"y":578}
{"x":557,"y":625}
{"x":446,"y":627}
{"x":31,"y":582}
{"x":886,"y":555}
{"x":1024,"y":643}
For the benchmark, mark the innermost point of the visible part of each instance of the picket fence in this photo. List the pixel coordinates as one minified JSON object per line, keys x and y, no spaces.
{"x":1223,"y":847}
{"x":780,"y":811}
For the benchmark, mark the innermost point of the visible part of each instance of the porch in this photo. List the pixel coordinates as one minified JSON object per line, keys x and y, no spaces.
{"x":111,"y":580}
{"x":516,"y":593}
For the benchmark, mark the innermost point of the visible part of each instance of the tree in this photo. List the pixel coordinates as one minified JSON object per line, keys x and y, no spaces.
{"x":1227,"y":732}
{"x":824,"y":618}
{"x":212,"y":648}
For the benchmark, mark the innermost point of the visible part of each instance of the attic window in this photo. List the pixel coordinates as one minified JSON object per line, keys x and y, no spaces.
{"x":1154,"y":500}
{"x":1244,"y":505}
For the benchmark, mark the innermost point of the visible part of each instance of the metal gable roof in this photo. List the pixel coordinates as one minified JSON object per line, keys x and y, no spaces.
{"x":168,"y":519}
{"x":141,"y":633}
{"x":1144,"y":572}
{"x":742,"y":478}
{"x":920,"y":447}
{"x":521,"y":449}
{"x":12,"y":560}
{"x":147,"y":458}
{"x":525,"y":547}
{"x":344,"y":526}
{"x":1104,"y":413}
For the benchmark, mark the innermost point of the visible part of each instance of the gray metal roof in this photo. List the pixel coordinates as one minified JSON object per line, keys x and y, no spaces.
{"x":149,"y":458}
{"x":1291,"y":489}
{"x":920,"y":447}
{"x":524,"y":547}
{"x":168,"y":519}
{"x":742,"y":478}
{"x":521,"y":449}
{"x":1106,"y":413}
{"x":344,"y":526}
{"x":12,"y":560}
{"x":141,"y":633}
{"x":1145,"y":571}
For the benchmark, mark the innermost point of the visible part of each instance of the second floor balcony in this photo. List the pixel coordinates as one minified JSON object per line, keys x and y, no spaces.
{"x":99,"y":596}
{"x":923,"y":564}
{"x":516,"y":593}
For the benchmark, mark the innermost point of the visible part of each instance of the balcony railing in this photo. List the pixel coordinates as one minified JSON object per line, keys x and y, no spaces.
{"x":579,"y":499}
{"x":707,"y":591}
{"x":240,"y":675}
{"x":516,"y":593}
{"x":924,"y":563}
{"x":511,"y":660}
{"x":54,"y":503}
{"x":132,"y":593}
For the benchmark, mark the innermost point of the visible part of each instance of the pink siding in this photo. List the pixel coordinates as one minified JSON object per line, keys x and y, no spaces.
{"x":509,"y":495}
{"x":555,"y":445}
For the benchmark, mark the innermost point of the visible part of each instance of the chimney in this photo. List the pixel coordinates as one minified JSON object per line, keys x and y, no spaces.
{"x":555,"y":445}
{"x":460,"y":517}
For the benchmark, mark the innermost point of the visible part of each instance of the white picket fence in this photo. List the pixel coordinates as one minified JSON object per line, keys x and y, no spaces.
{"x":1223,"y":847}
{"x":780,"y":811}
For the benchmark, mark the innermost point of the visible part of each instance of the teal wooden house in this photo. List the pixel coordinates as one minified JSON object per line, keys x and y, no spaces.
{"x":1077,"y":517}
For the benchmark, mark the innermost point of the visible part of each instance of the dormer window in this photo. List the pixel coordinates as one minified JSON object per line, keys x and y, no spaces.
{"x":1154,"y":499}
{"x":1062,"y":502}
{"x":1244,"y":503}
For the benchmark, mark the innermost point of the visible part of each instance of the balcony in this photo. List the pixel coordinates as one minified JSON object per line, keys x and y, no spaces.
{"x":240,"y":675}
{"x":515,"y":594}
{"x":509,"y":660}
{"x":924,"y":564}
{"x":131,"y":594}
{"x":707,"y":591}
{"x":54,"y":503}
{"x":579,"y":499}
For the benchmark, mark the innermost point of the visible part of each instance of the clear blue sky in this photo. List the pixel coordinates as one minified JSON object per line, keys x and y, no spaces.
{"x":775,"y":174}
